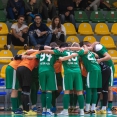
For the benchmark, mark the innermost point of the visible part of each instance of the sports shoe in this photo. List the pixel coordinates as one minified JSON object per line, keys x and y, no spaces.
{"x":43,"y":113}
{"x":17,"y":112}
{"x":81,"y":113}
{"x":93,"y":112}
{"x":70,"y":110}
{"x":63,"y":113}
{"x":101,"y":112}
{"x":34,"y":109}
{"x":30,"y":113}
{"x":75,"y":110}
{"x":49,"y":114}
{"x":53,"y":109}
{"x":87,"y":112}
{"x":109,"y":111}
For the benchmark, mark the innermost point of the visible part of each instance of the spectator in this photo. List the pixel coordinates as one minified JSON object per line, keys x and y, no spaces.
{"x":18,"y":37}
{"x":47,"y":10}
{"x":15,"y":8}
{"x":66,"y":11}
{"x":93,"y":4}
{"x":58,"y":30}
{"x":81,"y":4}
{"x":31,"y":8}
{"x":39,"y":33}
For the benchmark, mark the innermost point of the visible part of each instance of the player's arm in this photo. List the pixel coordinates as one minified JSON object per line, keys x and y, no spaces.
{"x":73,"y":48}
{"x":105,"y":58}
{"x":94,"y":44}
{"x":68,"y":57}
{"x":96,"y":55}
{"x":85,"y":49}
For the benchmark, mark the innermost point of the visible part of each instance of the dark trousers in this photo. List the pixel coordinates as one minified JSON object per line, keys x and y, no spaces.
{"x":62,"y":38}
{"x":48,"y":14}
{"x":16,"y":42}
{"x":12,"y":15}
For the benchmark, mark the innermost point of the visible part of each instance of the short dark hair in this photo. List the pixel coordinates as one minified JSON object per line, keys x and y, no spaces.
{"x":63,"y":45}
{"x":21,"y":16}
{"x":37,"y":16}
{"x":53,"y":44}
{"x":84,"y":43}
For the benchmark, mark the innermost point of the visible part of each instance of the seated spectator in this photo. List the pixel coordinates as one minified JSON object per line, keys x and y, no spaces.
{"x":105,"y":4}
{"x":31,"y":8}
{"x":81,"y":4}
{"x":66,"y":11}
{"x":58,"y":31}
{"x":39,"y":33}
{"x":47,"y":10}
{"x":18,"y":35}
{"x":15,"y":8}
{"x":93,"y":4}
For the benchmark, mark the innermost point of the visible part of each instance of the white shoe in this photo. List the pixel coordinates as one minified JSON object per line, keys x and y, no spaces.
{"x":49,"y":114}
{"x":63,"y":113}
{"x":109,"y":111}
{"x":81,"y":113}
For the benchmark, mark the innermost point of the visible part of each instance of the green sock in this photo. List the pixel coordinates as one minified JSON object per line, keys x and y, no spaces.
{"x":66,"y":100}
{"x":19,"y":99}
{"x":81,"y":101}
{"x":43,"y":99}
{"x":33,"y":95}
{"x":53,"y":99}
{"x":48,"y":100}
{"x":71,"y":99}
{"x":75,"y":100}
{"x":94,"y":96}
{"x":88,"y":95}
{"x":14,"y":104}
{"x":101,"y":101}
{"x":110,"y":104}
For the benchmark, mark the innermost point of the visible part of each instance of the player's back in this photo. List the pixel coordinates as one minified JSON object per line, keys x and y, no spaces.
{"x":47,"y":62}
{"x":71,"y":65}
{"x":90,"y":61}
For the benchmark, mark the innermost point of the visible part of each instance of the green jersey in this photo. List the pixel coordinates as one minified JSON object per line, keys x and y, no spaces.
{"x":101,"y":50}
{"x":89,"y":60}
{"x":71,"y":65}
{"x":46,"y":62}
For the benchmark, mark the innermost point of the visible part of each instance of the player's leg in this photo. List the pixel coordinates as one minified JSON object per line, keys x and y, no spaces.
{"x":110,"y":92}
{"x":51,"y":85}
{"x":42,"y":81}
{"x":56,"y":93}
{"x":12,"y":84}
{"x":78,"y":85}
{"x":67,"y":86}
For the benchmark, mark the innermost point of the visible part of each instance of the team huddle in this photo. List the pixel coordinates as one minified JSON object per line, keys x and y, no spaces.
{"x":87,"y":67}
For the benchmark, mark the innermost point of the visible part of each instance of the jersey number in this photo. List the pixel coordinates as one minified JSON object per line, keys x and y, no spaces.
{"x":49,"y":56}
{"x":90,"y":57}
{"x":72,"y":59}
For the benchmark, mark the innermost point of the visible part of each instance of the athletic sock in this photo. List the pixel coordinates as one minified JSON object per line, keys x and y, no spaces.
{"x":44,"y":109}
{"x":94,"y":96}
{"x":25,"y":98}
{"x":14,"y":104}
{"x":66,"y":100}
{"x":48,"y":100}
{"x":93,"y":107}
{"x":81,"y":101}
{"x":71,"y":100}
{"x":103,"y":107}
{"x":19,"y":99}
{"x":109,"y":104}
{"x":87,"y":107}
{"x":101,"y":101}
{"x":53,"y":99}
{"x":98,"y":99}
{"x":75,"y":100}
{"x":33,"y":95}
{"x":88,"y":95}
{"x":43,"y":99}
{"x":105,"y":98}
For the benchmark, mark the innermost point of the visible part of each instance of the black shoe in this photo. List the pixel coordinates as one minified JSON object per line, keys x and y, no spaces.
{"x":93,"y":112}
{"x":87,"y":112}
{"x":5,"y":47}
{"x":25,"y":47}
